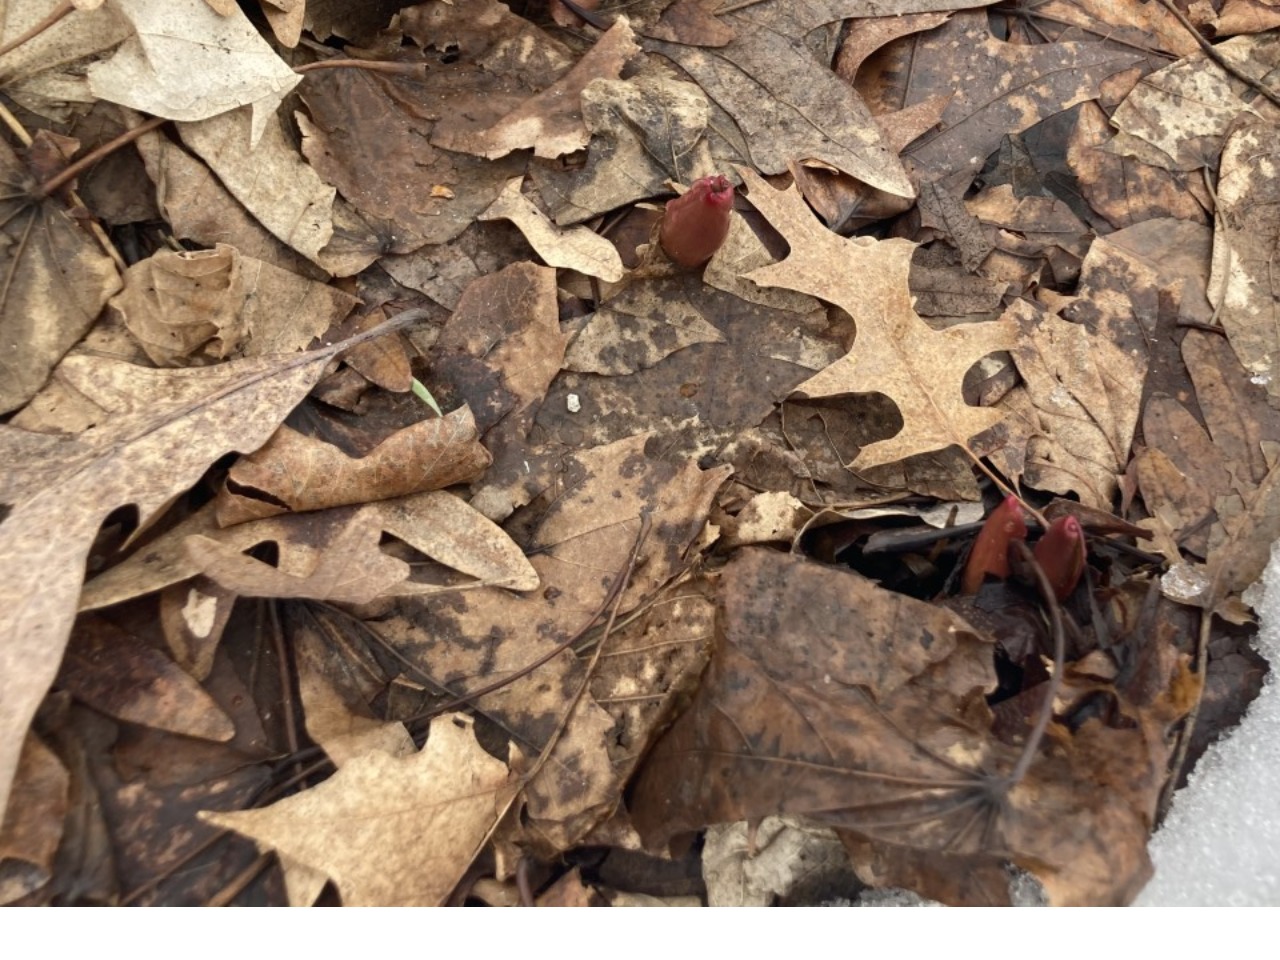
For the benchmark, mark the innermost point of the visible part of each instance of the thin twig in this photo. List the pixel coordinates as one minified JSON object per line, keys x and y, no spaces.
{"x":395,"y":67}
{"x":89,"y":159}
{"x":56,"y":14}
{"x":1059,"y":658}
{"x":1216,"y":57}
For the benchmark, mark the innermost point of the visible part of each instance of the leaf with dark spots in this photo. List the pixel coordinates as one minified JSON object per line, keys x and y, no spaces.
{"x":830,"y":697}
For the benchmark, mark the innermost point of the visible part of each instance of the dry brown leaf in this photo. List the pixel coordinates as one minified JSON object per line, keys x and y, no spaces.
{"x":368,"y":134}
{"x":268,"y":177}
{"x":895,"y":352}
{"x":1180,"y":471}
{"x":551,"y":121}
{"x":573,"y":248}
{"x":1246,"y":16}
{"x":349,"y":569}
{"x":1075,"y":425}
{"x":1140,"y":25}
{"x":199,"y":208}
{"x":1237,"y":413}
{"x":193,"y":617}
{"x":167,"y":427}
{"x":636,"y":330}
{"x":830,"y":697}
{"x":390,"y":831}
{"x":292,"y":472}
{"x":185,"y":62}
{"x":31,"y":829}
{"x":383,"y":361}
{"x":59,"y":280}
{"x":119,"y":675}
{"x":1125,"y":190}
{"x":436,"y":524}
{"x":787,"y":104}
{"x":1000,"y":88}
{"x":1243,"y":287}
{"x":45,"y":73}
{"x":1176,"y":118}
{"x":645,"y":131}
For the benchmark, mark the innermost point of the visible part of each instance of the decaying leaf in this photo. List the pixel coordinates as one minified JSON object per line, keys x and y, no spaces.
{"x":806,"y":114}
{"x":1244,"y":286}
{"x":119,"y":675}
{"x":645,"y":131}
{"x":31,"y":828}
{"x":1000,"y":88}
{"x":584,"y":532}
{"x":551,"y":121}
{"x":896,"y":353}
{"x":213,"y":304}
{"x":390,"y":831}
{"x":58,"y":281}
{"x":832,"y":698}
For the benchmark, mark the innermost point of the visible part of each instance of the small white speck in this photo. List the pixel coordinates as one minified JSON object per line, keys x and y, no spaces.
{"x":573,"y":403}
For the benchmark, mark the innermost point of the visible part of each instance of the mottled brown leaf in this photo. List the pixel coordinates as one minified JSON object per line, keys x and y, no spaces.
{"x":551,"y":121}
{"x":118,"y":674}
{"x":1244,"y":287}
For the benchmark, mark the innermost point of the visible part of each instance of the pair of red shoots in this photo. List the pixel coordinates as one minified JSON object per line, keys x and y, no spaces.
{"x":695,"y":224}
{"x":1060,"y":552}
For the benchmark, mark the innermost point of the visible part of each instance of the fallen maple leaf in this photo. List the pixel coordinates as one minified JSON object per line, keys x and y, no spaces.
{"x":390,"y":831}
{"x":895,"y":353}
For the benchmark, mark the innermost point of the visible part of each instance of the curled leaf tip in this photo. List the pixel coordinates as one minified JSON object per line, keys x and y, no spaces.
{"x":1060,"y":554}
{"x":990,"y":554}
{"x":695,"y":225}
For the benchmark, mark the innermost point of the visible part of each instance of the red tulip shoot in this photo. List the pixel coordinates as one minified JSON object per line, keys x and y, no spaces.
{"x":694,"y":225}
{"x":990,"y":553}
{"x":1060,"y":554}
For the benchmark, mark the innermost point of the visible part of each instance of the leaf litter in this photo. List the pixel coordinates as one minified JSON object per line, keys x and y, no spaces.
{"x":672,"y":551}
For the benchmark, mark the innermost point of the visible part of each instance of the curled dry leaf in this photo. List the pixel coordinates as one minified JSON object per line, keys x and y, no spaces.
{"x":204,"y":305}
{"x":293,"y":472}
{"x":435,"y":523}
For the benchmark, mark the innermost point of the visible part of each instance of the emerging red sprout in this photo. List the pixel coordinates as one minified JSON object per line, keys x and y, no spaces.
{"x":1060,"y":554}
{"x":990,"y":553}
{"x":695,"y":224}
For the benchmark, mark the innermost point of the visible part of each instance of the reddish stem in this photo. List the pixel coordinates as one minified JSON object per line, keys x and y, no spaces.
{"x":695,"y":225}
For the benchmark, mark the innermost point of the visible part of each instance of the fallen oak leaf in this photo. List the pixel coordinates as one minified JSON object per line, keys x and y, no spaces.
{"x":895,"y":352}
{"x":437,"y":524}
{"x":169,"y":426}
{"x":390,"y":831}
